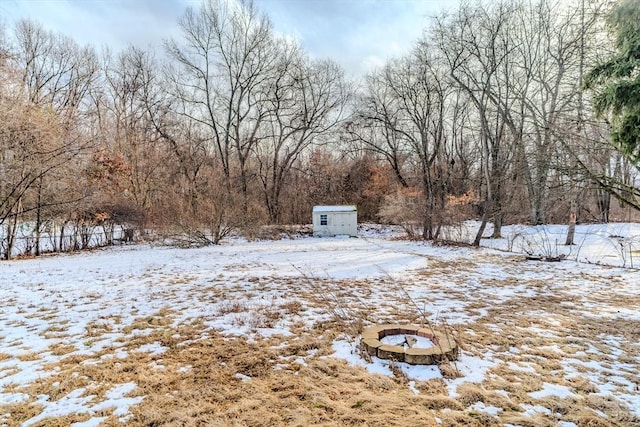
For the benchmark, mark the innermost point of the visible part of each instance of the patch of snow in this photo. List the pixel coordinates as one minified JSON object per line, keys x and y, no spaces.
{"x":73,"y":403}
{"x":556,"y":390}
{"x":300,"y":361}
{"x":412,"y":387}
{"x":491,"y":410}
{"x":419,"y":372}
{"x":8,"y":398}
{"x":532,"y":410}
{"x":242,"y":377}
{"x":116,"y":397}
{"x":270,"y":332}
{"x":421,"y":342}
{"x":91,"y":422}
{"x":473,"y":370}
{"x":154,"y":348}
{"x":347,"y":351}
{"x":518,"y":367}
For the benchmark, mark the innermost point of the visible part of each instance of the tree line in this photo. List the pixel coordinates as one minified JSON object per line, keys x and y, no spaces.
{"x":233,"y":126}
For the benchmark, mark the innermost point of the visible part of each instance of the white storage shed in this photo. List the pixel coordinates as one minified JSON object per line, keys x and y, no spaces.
{"x":331,"y":221}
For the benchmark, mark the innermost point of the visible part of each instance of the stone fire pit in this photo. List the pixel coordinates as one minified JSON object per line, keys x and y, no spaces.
{"x":444,"y":347}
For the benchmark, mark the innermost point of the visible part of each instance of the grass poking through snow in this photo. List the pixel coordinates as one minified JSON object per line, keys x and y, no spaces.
{"x":249,"y":334}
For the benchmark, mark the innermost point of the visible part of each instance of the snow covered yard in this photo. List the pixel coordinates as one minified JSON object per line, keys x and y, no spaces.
{"x":265,"y":333}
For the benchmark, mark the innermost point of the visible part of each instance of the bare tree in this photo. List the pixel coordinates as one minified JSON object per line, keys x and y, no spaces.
{"x":55,"y":71}
{"x":402,"y":118}
{"x":477,"y":44}
{"x":227,"y":54}
{"x":48,"y":78}
{"x":373,"y":125}
{"x":306,"y":101}
{"x":552,"y":48}
{"x":129,"y":133}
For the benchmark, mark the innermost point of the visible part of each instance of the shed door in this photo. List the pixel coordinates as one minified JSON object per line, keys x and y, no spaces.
{"x":342,"y":223}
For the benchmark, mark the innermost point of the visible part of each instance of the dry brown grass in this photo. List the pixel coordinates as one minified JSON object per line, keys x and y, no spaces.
{"x":55,"y":330}
{"x":293,"y":382}
{"x":449,"y":370}
{"x":62,"y":421}
{"x":471,"y":393}
{"x":28,"y":357}
{"x":60,"y":349}
{"x":231,"y":307}
{"x":325,"y":391}
{"x":528,"y":421}
{"x":20,"y":412}
{"x":470,"y":418}
{"x":292,"y":307}
{"x":583,"y":385}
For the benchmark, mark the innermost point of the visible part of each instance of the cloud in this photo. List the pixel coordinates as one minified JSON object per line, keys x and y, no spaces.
{"x":358,"y":34}
{"x":373,"y":62}
{"x":116,"y":23}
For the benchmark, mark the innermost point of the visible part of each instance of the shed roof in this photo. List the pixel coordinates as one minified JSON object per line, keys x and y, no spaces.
{"x":345,"y":208}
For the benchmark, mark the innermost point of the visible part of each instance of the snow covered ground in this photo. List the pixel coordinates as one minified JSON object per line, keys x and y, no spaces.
{"x":608,"y":244}
{"x":532,"y":334}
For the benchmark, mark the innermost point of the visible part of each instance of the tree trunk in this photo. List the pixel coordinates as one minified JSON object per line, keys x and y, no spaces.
{"x":483,"y":224}
{"x":604,"y":203}
{"x":12,"y":227}
{"x":427,"y":222}
{"x":496,"y":206}
{"x":571,"y":231}
{"x":38,"y":218}
{"x":573,"y":208}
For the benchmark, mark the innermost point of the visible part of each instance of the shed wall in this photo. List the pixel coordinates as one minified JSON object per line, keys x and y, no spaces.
{"x":337,"y":223}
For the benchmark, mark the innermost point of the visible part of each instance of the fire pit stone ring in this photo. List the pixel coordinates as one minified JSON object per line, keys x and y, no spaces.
{"x":444,"y":346}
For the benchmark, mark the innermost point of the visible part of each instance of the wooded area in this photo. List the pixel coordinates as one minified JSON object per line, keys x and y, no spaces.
{"x":232,"y":126}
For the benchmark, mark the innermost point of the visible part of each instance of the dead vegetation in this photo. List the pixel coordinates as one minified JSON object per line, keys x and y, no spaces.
{"x":189,"y":373}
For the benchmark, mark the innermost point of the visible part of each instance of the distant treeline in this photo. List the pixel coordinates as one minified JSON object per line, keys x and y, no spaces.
{"x":232,"y":126}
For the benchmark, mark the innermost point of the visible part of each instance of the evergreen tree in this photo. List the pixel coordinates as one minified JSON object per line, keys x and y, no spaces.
{"x":616,"y":82}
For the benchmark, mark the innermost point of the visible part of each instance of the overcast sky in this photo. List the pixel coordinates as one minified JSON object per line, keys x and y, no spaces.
{"x":359,"y":34}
